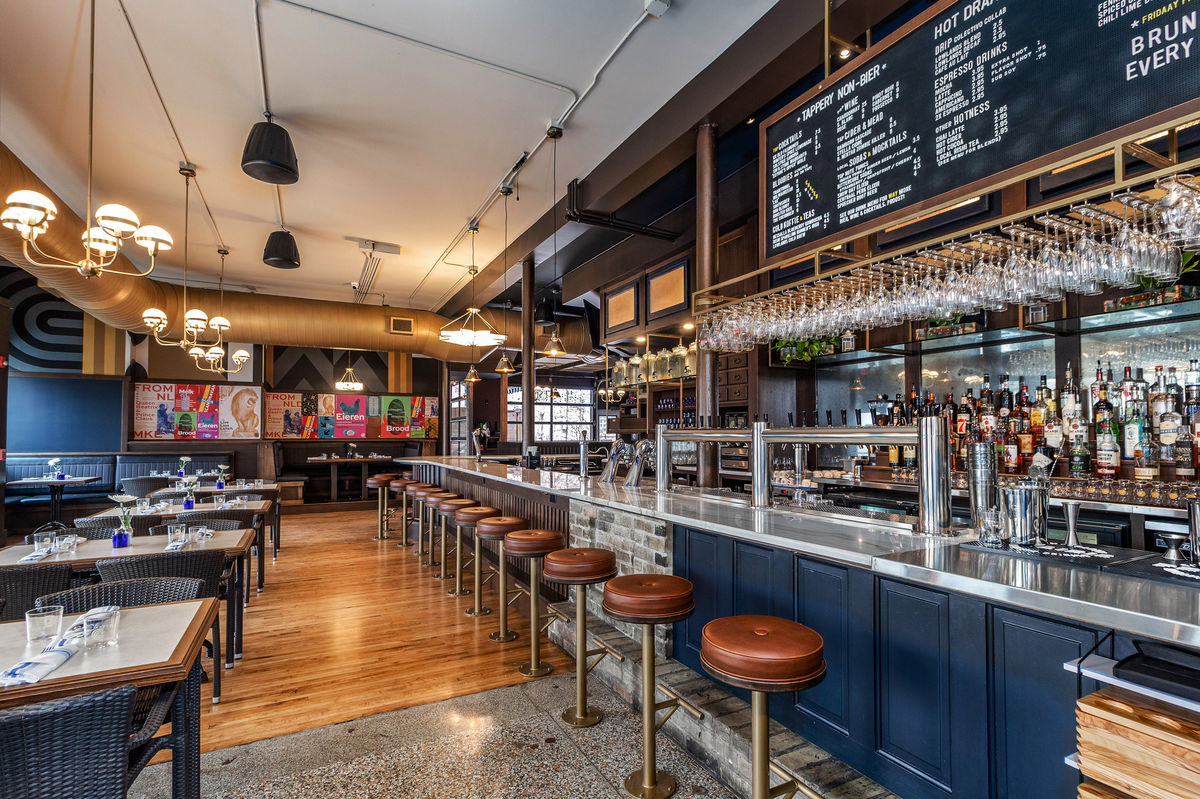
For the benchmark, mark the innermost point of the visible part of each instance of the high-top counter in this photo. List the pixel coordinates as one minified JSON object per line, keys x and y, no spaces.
{"x":945,"y":663}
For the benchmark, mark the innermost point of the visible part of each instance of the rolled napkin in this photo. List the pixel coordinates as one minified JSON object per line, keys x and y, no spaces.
{"x":57,"y":653}
{"x":34,"y":557}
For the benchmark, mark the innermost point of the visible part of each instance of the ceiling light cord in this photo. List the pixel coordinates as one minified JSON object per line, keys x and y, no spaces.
{"x":137,"y":42}
{"x":268,"y":114}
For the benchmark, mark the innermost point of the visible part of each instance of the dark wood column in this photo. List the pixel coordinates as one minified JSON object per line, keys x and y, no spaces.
{"x":706,"y":275}
{"x":528,"y":372}
{"x":444,"y":406}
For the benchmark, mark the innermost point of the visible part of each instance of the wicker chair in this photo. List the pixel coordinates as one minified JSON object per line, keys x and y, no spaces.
{"x":100,"y":526}
{"x":203,"y":564}
{"x":171,"y":496}
{"x":77,"y":746}
{"x":143,"y":486}
{"x":212,"y":524}
{"x":20,"y":586}
{"x":126,"y":593}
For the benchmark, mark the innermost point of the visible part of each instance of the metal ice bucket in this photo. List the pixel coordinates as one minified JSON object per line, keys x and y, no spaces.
{"x":1024,"y":506}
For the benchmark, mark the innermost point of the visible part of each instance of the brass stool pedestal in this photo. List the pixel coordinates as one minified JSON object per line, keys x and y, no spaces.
{"x":535,"y":545}
{"x":381,"y":483}
{"x":495,"y":528}
{"x":504,"y":634}
{"x":398,"y":485}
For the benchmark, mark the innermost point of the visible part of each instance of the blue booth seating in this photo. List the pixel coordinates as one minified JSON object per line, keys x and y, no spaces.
{"x":141,"y":464}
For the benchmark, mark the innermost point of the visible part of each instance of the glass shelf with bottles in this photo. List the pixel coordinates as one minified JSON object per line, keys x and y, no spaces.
{"x":667,"y":364}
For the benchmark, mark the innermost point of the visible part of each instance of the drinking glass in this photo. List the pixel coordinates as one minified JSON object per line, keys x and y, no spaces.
{"x":176,"y":532}
{"x":101,"y":631}
{"x":43,"y":624}
{"x":43,"y":542}
{"x":196,"y":532}
{"x":241,"y":483}
{"x":143,"y":505}
{"x":258,"y":482}
{"x":68,"y":543}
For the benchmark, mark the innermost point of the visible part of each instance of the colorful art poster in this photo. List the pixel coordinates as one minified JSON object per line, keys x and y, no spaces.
{"x":283,"y":417}
{"x":308,"y":403}
{"x":241,"y":412}
{"x":418,"y":417}
{"x":193,"y":397}
{"x":185,"y":424}
{"x":153,"y":410}
{"x":325,"y":405}
{"x":325,"y":427}
{"x":374,"y":403}
{"x":308,"y":426}
{"x":431,"y":417}
{"x":396,"y":417}
{"x":208,"y":424}
{"x":350,"y":416}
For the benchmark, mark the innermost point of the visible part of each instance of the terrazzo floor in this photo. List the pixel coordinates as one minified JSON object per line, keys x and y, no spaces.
{"x":507,"y":742}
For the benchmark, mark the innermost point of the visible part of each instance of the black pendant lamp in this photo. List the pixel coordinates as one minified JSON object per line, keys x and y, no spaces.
{"x":281,"y":251}
{"x":269,"y":156}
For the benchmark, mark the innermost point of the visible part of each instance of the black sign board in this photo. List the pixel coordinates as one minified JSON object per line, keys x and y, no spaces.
{"x":969,"y":90}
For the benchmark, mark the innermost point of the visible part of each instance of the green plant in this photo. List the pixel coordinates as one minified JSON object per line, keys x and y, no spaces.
{"x":947,"y":322}
{"x":803,"y":351}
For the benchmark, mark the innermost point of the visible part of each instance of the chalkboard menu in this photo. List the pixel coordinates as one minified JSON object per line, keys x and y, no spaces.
{"x":975,"y":88}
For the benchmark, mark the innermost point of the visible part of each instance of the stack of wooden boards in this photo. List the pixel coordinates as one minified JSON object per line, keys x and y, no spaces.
{"x":1144,"y":748}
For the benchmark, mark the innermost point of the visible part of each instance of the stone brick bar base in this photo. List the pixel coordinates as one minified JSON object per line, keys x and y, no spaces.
{"x":721,"y":740}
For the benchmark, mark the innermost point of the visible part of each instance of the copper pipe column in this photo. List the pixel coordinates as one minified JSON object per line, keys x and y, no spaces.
{"x":706,"y":275}
{"x":528,"y":373}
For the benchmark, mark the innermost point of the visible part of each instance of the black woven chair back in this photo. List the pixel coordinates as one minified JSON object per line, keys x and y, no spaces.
{"x":244,"y":517}
{"x":126,"y":593}
{"x":170,"y":496}
{"x":101,"y":526}
{"x":202,"y":564}
{"x":20,"y":586}
{"x":143,"y":486}
{"x":76,"y":746}
{"x":247,"y":497}
{"x":212,"y":524}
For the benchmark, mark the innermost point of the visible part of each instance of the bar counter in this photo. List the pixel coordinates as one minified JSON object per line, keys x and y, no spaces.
{"x":946,"y":664}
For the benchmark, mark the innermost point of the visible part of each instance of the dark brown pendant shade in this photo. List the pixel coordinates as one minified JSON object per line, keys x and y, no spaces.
{"x":281,"y":251}
{"x":269,"y":156}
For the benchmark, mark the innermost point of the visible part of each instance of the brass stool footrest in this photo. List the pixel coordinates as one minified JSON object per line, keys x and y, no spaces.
{"x":553,"y":614}
{"x":603,"y":650}
{"x":517,"y":593}
{"x":671,"y":705}
{"x":791,"y":785}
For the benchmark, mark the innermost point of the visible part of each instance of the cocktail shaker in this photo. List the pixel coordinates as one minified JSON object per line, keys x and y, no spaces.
{"x":1023,"y":509}
{"x":981,"y":482}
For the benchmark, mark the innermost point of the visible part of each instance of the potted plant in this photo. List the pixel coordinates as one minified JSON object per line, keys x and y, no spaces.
{"x":55,"y":465}
{"x":184,"y":460}
{"x":189,"y":502}
{"x":120,"y":537}
{"x":221,"y":470}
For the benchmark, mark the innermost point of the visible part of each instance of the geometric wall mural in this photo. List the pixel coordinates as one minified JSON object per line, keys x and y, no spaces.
{"x":311,"y":369}
{"x":47,"y":333}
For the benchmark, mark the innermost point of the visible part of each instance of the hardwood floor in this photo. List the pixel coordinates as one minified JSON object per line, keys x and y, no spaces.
{"x":348,"y":627}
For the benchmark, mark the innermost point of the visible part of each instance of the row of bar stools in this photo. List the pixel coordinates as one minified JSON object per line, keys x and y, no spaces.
{"x":399,"y":485}
{"x":417,"y":492}
{"x":495,"y":529}
{"x":432,"y":504}
{"x":581,"y":568}
{"x":381,"y":483}
{"x":448,"y":512}
{"x":466,"y":519}
{"x":429,"y":522}
{"x":535,"y":545}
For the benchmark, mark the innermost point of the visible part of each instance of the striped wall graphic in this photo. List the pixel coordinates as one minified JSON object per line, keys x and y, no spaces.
{"x":310,"y":369}
{"x":47,"y":332}
{"x":104,"y":348}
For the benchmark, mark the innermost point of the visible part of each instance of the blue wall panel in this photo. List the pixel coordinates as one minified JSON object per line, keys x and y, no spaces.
{"x":49,"y":414}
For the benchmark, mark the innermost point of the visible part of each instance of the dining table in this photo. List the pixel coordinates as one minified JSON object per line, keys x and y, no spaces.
{"x":157,"y":645}
{"x":336,"y":460}
{"x":56,"y":486}
{"x":268,"y":489}
{"x":172,"y":509}
{"x":235,"y":543}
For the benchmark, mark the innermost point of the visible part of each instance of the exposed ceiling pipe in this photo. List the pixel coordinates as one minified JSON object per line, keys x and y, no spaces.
{"x":118,"y":300}
{"x":609,"y":221}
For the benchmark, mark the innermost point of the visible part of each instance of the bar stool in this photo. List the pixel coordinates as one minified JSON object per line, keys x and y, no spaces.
{"x":431,"y":505}
{"x":495,"y":529}
{"x":447,"y":510}
{"x":466,"y":518}
{"x":764,"y":654}
{"x":398,"y":485}
{"x":535,"y":545}
{"x":381,"y":483}
{"x":581,"y":568}
{"x":650,"y":599}
{"x":415,"y":490}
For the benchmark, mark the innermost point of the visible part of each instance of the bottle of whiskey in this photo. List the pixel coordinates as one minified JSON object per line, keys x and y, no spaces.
{"x":987,"y":407}
{"x":1145,"y":459}
{"x":1094,"y":392}
{"x":1160,"y":400}
{"x":1004,"y":399}
{"x":1068,"y":396}
{"x":1108,"y":456}
{"x":1103,"y":416}
{"x":1011,"y":461}
{"x":1134,"y":426}
{"x":1185,"y":454}
{"x":1175,"y":389}
{"x":1039,"y":411}
{"x":1124,"y":398}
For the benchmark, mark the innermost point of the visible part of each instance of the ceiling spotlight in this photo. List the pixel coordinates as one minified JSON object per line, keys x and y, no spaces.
{"x":689,"y":326}
{"x":640,"y":339}
{"x":281,"y":251}
{"x":844,"y":53}
{"x":269,"y":156}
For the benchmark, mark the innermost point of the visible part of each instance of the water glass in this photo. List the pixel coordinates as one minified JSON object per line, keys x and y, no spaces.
{"x":101,"y":631}
{"x":43,"y":624}
{"x":68,"y":544}
{"x":176,"y":532}
{"x":143,"y":505}
{"x":44,"y":541}
{"x":196,"y":533}
{"x":241,"y":483}
{"x":258,"y":482}
{"x":990,"y":527}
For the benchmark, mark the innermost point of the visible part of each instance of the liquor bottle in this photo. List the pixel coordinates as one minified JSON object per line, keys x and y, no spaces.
{"x":914,"y":405}
{"x":1175,"y":389}
{"x":964,"y":420}
{"x":930,"y":408}
{"x":1081,"y":458}
{"x":1185,"y":454}
{"x":1039,"y":411}
{"x":1024,"y":438}
{"x":1191,"y":397}
{"x":1160,"y":400}
{"x":1011,"y":460}
{"x":1094,"y":393}
{"x":1141,"y":393}
{"x":1135,"y":425}
{"x":1108,"y":456}
{"x":1052,"y":433}
{"x":1068,"y":396}
{"x":1104,"y":418}
{"x":1004,"y":398}
{"x":1024,"y":406}
{"x":1124,"y":396}
{"x":1169,"y":425}
{"x":987,"y":407}
{"x":897,"y":414}
{"x":1145,"y":460}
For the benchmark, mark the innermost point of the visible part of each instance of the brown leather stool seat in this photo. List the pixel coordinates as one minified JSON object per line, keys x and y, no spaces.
{"x":380,"y":480}
{"x":762,"y":653}
{"x":407,"y":475}
{"x":436,"y":500}
{"x":468,"y":516}
{"x":427,"y":491}
{"x":497,"y":527}
{"x":533,"y":543}
{"x":451,"y":507}
{"x":648,"y":598}
{"x":413,"y":488}
{"x":580,"y":566}
{"x":399,"y":483}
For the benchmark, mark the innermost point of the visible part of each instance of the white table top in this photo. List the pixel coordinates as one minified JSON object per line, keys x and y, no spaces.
{"x":176,"y":508}
{"x":230,"y":488}
{"x":48,"y":481}
{"x":92,"y":550}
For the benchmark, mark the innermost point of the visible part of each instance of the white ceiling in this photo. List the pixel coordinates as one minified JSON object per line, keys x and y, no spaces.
{"x":396,"y":143}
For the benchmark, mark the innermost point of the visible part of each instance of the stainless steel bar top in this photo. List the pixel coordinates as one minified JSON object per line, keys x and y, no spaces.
{"x":1130,"y":604}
